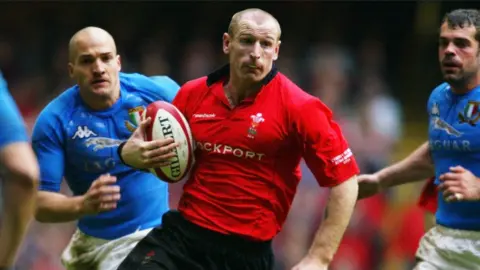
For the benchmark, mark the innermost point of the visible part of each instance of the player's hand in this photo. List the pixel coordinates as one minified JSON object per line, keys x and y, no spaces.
{"x":141,"y":154}
{"x":310,"y":263}
{"x":102,"y":195}
{"x":459,"y":184}
{"x":368,"y":185}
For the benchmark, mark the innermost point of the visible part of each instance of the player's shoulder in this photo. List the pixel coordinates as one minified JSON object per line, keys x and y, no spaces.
{"x":57,"y":110}
{"x":65,"y":102}
{"x":195,"y":85}
{"x":156,"y":87}
{"x":134,"y":82}
{"x":291,"y":93}
{"x":439,"y":91}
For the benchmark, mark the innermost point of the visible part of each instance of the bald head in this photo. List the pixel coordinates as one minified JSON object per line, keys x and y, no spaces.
{"x":258,"y":16}
{"x":90,"y":37}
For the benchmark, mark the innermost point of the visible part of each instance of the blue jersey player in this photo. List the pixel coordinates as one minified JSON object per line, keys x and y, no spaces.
{"x":452,"y":153}
{"x":20,"y":179}
{"x":76,"y":137}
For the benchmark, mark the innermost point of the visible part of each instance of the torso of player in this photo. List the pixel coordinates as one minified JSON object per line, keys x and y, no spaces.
{"x":454,"y":132}
{"x":91,"y":140}
{"x":246,"y":169}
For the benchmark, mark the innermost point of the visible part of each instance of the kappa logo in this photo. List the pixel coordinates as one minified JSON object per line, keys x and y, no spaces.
{"x":135,"y":116}
{"x":83,"y":132}
{"x":471,"y":113}
{"x":256,"y":120}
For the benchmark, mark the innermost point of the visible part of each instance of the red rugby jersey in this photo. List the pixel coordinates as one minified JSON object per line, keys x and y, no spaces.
{"x":247,"y":158}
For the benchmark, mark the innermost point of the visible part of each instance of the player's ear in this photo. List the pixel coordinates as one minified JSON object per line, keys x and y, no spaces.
{"x":119,"y":62}
{"x":277,"y":51}
{"x":226,"y":43}
{"x":70,"y":69}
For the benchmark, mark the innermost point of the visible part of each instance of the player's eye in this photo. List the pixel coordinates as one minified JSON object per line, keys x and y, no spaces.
{"x":247,"y":40}
{"x":443,"y":43}
{"x":461,"y":43}
{"x":266,"y":44}
{"x":106,"y":58}
{"x":86,"y":61}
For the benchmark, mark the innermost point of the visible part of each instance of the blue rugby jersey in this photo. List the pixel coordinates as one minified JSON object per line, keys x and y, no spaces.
{"x":74,"y":142}
{"x":454,"y":139}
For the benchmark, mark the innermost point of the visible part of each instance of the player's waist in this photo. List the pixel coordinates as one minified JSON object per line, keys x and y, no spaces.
{"x":176,"y":220}
{"x":458,"y":233}
{"x":253,"y":222}
{"x":130,"y":216}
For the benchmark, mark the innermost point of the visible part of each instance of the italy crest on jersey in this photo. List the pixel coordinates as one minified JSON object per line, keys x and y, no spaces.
{"x":134,"y":116}
{"x":471,"y":113}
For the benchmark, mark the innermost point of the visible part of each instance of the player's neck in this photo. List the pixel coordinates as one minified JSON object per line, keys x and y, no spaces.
{"x":97,"y":103}
{"x":237,"y":90}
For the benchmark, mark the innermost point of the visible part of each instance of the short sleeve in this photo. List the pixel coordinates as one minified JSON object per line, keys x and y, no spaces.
{"x":324,"y":148}
{"x":12,"y":125}
{"x":47,"y":143}
{"x":180,"y":101}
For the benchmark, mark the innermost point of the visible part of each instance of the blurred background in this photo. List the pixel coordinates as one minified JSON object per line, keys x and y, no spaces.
{"x":373,"y":63}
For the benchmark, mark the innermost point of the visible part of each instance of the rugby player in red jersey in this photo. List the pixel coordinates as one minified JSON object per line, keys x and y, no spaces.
{"x":252,"y":126}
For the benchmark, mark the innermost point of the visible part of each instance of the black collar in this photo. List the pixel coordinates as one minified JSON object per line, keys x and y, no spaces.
{"x":225,"y":72}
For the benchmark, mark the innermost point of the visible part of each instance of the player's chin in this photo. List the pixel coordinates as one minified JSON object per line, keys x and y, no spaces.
{"x":100,"y":90}
{"x":452,"y":77}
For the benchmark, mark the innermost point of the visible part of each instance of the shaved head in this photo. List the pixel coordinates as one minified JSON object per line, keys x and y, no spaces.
{"x":259,"y":16}
{"x":87,"y":36}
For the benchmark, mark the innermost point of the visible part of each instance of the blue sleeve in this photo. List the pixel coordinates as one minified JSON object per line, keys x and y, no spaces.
{"x":47,"y":142}
{"x":12,"y":126}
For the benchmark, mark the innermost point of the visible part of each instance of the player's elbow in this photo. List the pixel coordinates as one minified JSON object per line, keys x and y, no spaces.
{"x":21,"y":167}
{"x":24,"y":176}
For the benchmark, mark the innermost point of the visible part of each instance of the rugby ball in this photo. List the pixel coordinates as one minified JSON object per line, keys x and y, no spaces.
{"x":169,"y":122}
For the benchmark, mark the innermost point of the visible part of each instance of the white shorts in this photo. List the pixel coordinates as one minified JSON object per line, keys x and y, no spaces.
{"x":449,"y":249}
{"x":87,"y":252}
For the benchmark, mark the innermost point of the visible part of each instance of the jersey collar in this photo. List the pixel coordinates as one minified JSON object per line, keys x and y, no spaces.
{"x":224,"y":71}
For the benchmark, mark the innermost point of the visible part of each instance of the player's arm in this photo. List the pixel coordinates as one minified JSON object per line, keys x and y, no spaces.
{"x":416,"y":167}
{"x":19,"y":182}
{"x":328,"y":156}
{"x":48,"y":146}
{"x":52,"y":206}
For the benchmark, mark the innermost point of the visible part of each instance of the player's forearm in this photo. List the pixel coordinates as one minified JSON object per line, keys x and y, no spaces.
{"x":416,"y":167}
{"x":340,"y":208}
{"x":55,"y":208}
{"x":18,"y":208}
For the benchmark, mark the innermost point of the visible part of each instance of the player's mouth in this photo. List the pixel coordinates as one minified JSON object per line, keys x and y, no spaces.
{"x":99,"y":82}
{"x":252,"y":67}
{"x":451,"y":64}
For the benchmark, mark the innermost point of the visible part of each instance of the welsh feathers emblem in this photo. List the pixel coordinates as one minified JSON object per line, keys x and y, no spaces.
{"x":471,"y":113}
{"x":134,"y":116}
{"x":256,"y":120}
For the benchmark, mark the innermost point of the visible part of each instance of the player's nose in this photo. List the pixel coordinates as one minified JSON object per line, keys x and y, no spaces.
{"x":256,"y":51}
{"x":98,"y":67}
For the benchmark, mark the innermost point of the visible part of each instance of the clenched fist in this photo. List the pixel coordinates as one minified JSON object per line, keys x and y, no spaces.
{"x":102,"y":195}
